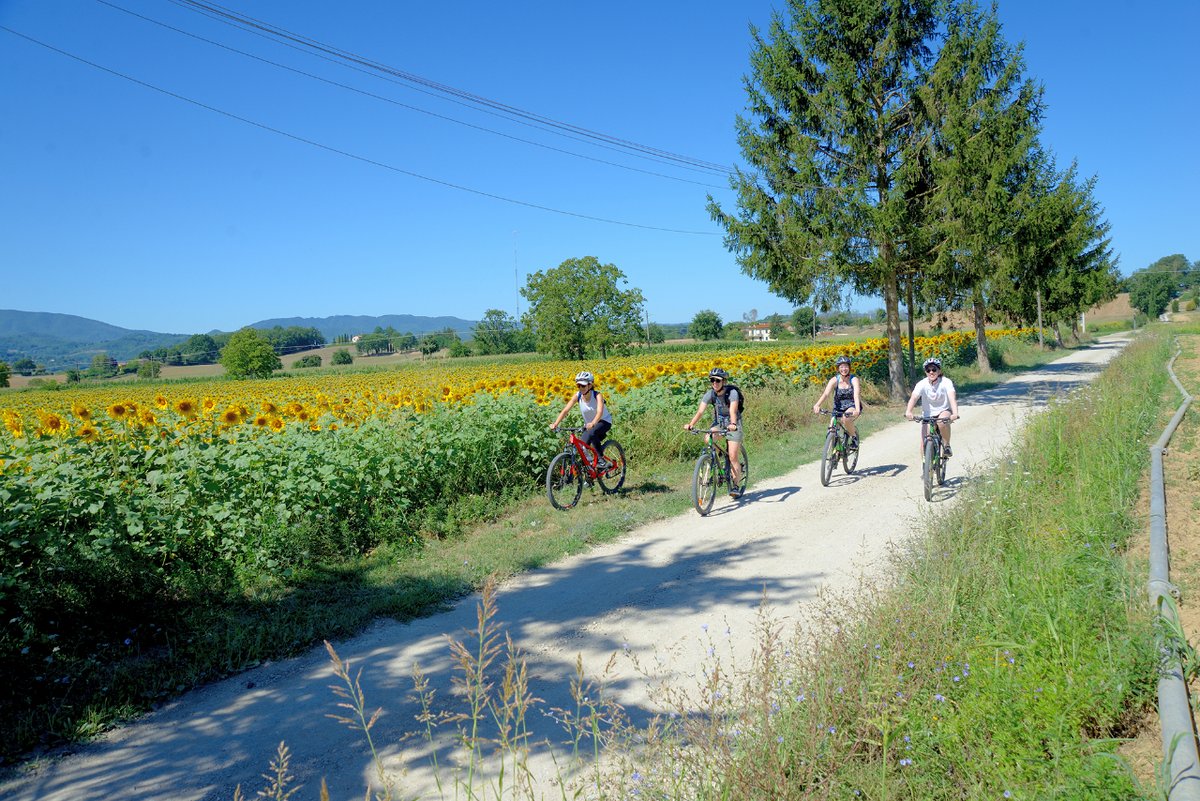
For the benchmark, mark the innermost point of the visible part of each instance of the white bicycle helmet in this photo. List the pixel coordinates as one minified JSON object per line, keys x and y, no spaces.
{"x":585,"y":378}
{"x":932,"y":361}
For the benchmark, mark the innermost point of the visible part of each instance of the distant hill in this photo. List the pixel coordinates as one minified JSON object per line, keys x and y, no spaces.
{"x":61,"y":341}
{"x":363,"y":324}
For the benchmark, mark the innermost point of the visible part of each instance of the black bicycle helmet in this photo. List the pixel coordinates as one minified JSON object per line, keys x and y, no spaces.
{"x":842,"y":360}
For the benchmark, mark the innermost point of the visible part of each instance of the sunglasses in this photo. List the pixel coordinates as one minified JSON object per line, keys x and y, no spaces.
{"x":932,"y":370}
{"x":715,"y":380}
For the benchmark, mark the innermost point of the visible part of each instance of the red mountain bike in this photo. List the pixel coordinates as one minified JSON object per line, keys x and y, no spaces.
{"x":577,"y":463}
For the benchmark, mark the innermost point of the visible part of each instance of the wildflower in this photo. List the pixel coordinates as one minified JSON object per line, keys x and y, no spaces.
{"x":906,"y":762}
{"x":939,"y":697}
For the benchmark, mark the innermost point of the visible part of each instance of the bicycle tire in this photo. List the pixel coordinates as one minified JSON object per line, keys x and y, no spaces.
{"x":828,"y":457}
{"x":849,"y":458}
{"x":704,"y":483}
{"x":564,"y":481}
{"x":941,"y":470}
{"x":612,"y":479}
{"x":928,"y":467}
{"x":744,"y":464}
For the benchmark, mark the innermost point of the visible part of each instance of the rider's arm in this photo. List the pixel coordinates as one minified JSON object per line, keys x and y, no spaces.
{"x":566,"y":409}
{"x":735,"y":408}
{"x":825,"y":394}
{"x":912,"y":401}
{"x":599,"y":412}
{"x":857,"y":397}
{"x":952,"y":395}
{"x":696,"y":416}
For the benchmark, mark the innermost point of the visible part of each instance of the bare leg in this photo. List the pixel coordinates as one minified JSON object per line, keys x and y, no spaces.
{"x":734,"y":467}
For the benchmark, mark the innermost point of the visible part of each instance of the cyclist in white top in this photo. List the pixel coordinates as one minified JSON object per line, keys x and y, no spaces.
{"x":597,"y":419}
{"x":938,"y":399}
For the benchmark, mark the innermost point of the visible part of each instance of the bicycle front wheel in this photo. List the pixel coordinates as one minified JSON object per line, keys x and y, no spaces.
{"x":564,"y":481}
{"x":928,"y":468}
{"x":828,"y":458}
{"x":941,"y":470}
{"x":704,"y":483}
{"x":613,"y":478}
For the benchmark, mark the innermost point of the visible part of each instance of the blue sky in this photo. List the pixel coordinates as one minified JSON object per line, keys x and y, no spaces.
{"x":124,"y":204}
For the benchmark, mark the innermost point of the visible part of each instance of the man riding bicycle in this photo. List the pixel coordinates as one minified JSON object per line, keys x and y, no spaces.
{"x":938,"y":399}
{"x":847,"y":403}
{"x":726,"y":401}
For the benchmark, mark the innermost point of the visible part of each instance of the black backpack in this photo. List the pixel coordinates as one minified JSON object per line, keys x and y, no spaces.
{"x":741,"y":398}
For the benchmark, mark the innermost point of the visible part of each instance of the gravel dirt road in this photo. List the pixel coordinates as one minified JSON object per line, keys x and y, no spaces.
{"x":661,"y":592}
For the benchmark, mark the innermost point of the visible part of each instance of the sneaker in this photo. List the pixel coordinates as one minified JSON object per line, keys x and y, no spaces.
{"x":735,"y":493}
{"x":603,"y":465}
{"x":854,"y":443}
{"x":946,"y":452}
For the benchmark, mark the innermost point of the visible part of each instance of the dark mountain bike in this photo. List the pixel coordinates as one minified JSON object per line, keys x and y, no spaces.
{"x":577,"y":463}
{"x":713,"y":471}
{"x":933,"y":468}
{"x":837,"y":449}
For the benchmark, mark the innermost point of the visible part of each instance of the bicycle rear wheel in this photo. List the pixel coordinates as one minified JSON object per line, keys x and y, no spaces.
{"x":829,"y":457}
{"x":744,"y":464}
{"x":927,"y":469}
{"x":564,"y":481}
{"x":850,"y":457}
{"x":704,"y":483}
{"x":613,"y":478}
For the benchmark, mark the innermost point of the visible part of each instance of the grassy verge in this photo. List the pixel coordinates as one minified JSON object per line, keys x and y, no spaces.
{"x":1006,"y":661}
{"x":477,"y":538}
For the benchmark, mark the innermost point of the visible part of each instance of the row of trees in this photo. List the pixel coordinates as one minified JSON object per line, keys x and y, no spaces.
{"x":893,"y":149}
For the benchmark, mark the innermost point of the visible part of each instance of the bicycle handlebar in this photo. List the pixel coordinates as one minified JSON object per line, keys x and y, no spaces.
{"x":569,"y":429}
{"x":720,"y":432}
{"x":832,"y":414}
{"x":946,"y":420}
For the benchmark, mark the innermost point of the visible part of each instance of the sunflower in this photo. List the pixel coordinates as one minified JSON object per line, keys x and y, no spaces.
{"x":118,"y":411}
{"x":261,"y":420}
{"x":147,"y":417}
{"x":276,"y":424}
{"x":14,"y":424}
{"x":186,"y":407}
{"x":208,"y":404}
{"x":161,"y":401}
{"x":80,"y":411}
{"x":52,"y":424}
{"x":88,"y":433}
{"x":231,"y":416}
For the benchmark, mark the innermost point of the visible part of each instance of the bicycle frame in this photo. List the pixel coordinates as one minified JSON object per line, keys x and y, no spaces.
{"x":582,"y":449}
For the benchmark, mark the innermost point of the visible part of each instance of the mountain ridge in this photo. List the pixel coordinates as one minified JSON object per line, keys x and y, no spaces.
{"x":64,"y":341}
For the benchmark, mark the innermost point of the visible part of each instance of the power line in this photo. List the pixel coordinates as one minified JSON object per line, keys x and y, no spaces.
{"x":411,"y":107}
{"x":348,"y":154}
{"x":279,"y":34}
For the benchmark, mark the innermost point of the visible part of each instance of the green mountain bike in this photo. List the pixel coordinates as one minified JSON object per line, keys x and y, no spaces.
{"x":838,"y":448}
{"x":713,"y":470}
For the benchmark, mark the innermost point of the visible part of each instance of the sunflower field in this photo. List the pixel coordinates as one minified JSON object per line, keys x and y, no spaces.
{"x":123,"y":500}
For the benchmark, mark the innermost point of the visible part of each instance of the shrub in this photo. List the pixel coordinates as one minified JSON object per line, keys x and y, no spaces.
{"x":341,"y":356}
{"x":311,"y":360}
